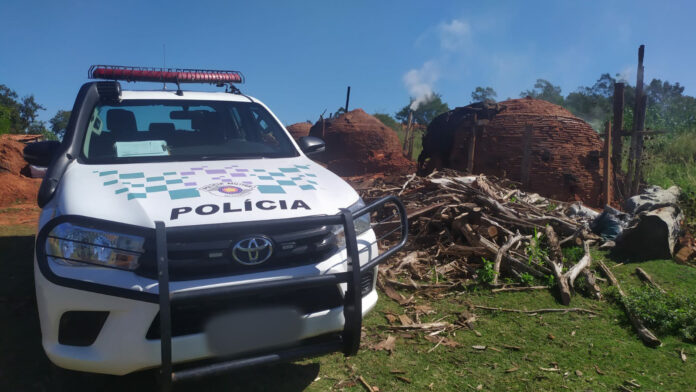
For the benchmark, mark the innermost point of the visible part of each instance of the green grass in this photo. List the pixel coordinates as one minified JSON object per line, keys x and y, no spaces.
{"x":606,"y":341}
{"x":671,"y":160}
{"x":17,"y":230}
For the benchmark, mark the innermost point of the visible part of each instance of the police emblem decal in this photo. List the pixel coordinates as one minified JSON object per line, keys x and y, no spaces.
{"x":228,"y":189}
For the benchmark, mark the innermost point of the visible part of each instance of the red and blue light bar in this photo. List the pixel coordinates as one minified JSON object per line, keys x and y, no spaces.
{"x":164,"y":75}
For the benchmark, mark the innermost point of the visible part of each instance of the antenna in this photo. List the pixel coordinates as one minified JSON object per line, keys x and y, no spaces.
{"x":164,"y":63}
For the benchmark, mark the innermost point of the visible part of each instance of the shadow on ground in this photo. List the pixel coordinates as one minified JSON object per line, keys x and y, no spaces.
{"x":25,"y":367}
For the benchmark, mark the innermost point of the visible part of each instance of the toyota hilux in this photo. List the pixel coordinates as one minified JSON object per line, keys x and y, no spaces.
{"x":188,"y":227}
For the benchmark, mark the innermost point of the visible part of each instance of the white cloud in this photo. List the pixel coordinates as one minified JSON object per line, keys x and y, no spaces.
{"x":419,"y":82}
{"x":454,"y":35}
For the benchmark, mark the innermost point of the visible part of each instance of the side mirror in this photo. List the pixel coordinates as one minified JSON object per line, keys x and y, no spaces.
{"x":41,"y":153}
{"x":312,"y":145}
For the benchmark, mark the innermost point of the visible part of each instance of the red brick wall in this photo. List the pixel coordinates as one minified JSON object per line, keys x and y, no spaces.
{"x":566,"y":152}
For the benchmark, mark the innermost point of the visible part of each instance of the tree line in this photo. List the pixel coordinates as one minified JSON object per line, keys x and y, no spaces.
{"x":668,"y":107}
{"x":20,"y":116}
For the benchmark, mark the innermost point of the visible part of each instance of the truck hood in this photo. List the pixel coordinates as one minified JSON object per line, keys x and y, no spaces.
{"x":194,"y":193}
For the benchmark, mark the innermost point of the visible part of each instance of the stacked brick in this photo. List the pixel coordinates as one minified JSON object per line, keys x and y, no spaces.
{"x":299,"y":130}
{"x":565,"y":161}
{"x":358,"y":143}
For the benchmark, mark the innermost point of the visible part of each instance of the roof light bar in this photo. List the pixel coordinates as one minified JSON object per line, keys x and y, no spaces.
{"x":164,"y":75}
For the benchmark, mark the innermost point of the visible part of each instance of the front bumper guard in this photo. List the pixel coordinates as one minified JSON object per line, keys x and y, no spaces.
{"x":348,"y":341}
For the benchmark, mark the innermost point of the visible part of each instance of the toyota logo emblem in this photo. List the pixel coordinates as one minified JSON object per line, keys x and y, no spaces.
{"x":252,"y":250}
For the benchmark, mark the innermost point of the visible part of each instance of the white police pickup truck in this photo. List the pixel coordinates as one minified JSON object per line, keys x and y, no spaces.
{"x":180,"y":226}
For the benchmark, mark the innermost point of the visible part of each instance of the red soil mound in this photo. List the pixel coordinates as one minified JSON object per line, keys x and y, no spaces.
{"x":15,"y":187}
{"x":11,"y":157}
{"x":357,"y":143}
{"x":299,"y":130}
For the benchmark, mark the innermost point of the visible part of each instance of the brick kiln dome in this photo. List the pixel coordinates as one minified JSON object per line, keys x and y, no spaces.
{"x":358,"y":143}
{"x":565,"y":151}
{"x":299,"y":130}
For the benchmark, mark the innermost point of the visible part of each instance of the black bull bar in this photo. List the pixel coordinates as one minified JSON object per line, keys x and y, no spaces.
{"x":348,"y":341}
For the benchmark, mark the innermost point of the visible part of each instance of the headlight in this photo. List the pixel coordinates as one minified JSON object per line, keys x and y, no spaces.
{"x":362,"y":224}
{"x":74,"y":245}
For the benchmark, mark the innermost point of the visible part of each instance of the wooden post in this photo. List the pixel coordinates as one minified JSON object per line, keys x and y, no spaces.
{"x":408,"y":132}
{"x":631,"y":175}
{"x":410,"y":142}
{"x":617,"y":143}
{"x":472,"y":150}
{"x":526,"y":155}
{"x":347,"y":99}
{"x":640,"y":125}
{"x":323,"y":127}
{"x":608,"y":180}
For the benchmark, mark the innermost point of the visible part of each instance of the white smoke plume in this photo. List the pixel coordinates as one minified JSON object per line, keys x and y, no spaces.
{"x":627,"y":75}
{"x":454,"y":35}
{"x":419,"y":83}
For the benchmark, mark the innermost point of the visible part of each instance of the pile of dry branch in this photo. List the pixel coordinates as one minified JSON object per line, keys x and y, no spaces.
{"x":459,"y":225}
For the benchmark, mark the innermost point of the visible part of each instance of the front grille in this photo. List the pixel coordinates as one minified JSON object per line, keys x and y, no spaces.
{"x":190,"y":318}
{"x":208,"y":253}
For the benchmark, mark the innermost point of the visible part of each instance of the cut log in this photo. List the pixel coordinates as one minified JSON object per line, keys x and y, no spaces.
{"x":491,"y":247}
{"x":465,"y":251}
{"x":501,"y":252}
{"x":575,"y":270}
{"x":562,"y":310}
{"x":592,"y":286}
{"x":522,"y":288}
{"x":643,"y":332}
{"x":556,"y":266}
{"x":642,"y":275}
{"x":554,"y":245}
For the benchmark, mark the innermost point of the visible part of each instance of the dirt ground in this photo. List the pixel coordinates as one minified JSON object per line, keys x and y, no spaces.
{"x":16,"y":188}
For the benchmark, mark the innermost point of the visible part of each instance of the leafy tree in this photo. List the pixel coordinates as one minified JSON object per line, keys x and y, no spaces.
{"x":5,"y":119}
{"x":21,"y":114}
{"x":37,"y":127}
{"x":425,"y":112}
{"x":7,"y":96}
{"x":483,"y":94}
{"x":29,"y":109}
{"x":662,"y":93}
{"x":388,"y":121}
{"x":59,"y":122}
{"x":593,"y":104}
{"x":543,"y":89}
{"x":10,"y":119}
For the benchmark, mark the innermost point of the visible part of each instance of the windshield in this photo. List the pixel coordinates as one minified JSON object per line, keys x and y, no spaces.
{"x":178,"y":130}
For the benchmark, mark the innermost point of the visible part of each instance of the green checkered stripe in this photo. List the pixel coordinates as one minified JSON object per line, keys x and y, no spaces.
{"x":280,"y":180}
{"x":137,"y":185}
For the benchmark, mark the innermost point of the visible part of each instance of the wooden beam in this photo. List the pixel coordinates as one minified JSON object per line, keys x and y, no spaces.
{"x":472,"y":150}
{"x":638,"y":171}
{"x":408,"y":132}
{"x":608,"y":178}
{"x":630,"y":176}
{"x":526,"y":155}
{"x":617,"y":147}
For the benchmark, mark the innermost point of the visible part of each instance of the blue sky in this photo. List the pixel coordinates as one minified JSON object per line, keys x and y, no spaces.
{"x":299,"y":57}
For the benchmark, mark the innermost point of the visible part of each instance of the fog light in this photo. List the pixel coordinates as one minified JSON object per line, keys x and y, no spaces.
{"x":80,"y":328}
